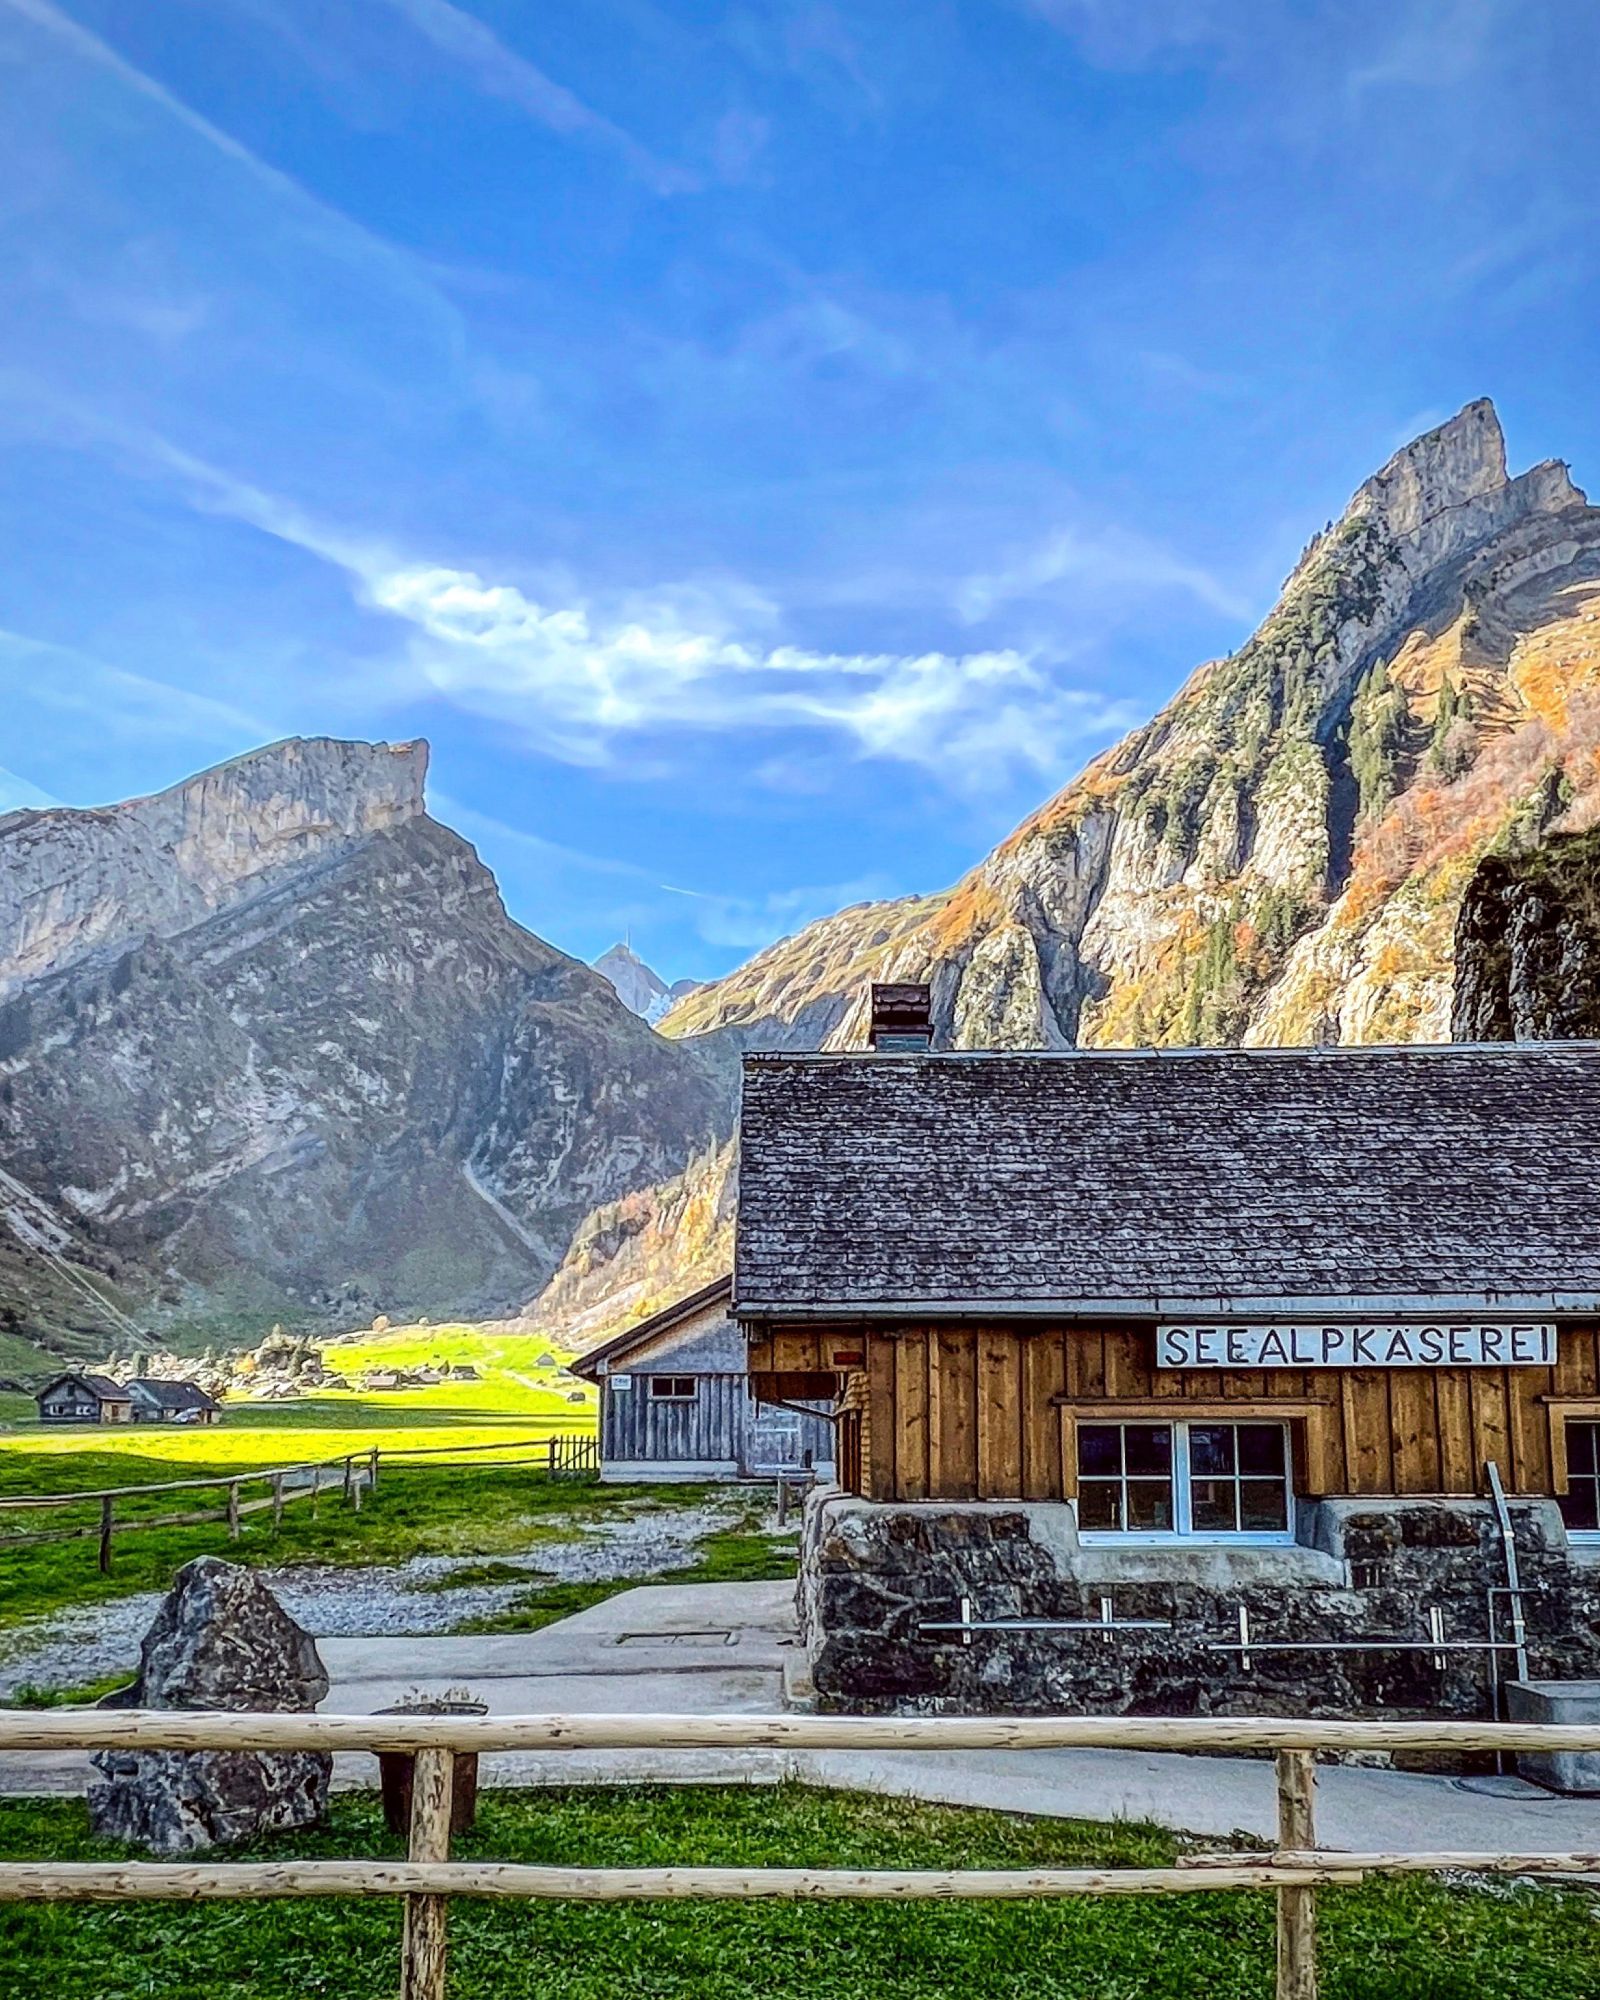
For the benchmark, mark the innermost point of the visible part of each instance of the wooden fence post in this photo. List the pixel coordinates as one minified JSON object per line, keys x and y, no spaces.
{"x":422,"y":1961}
{"x":348,"y":1481}
{"x":105,"y":1535}
{"x":233,"y":1511}
{"x":277,"y":1501}
{"x":372,"y":1476}
{"x":316,"y":1488}
{"x":1297,"y":1908}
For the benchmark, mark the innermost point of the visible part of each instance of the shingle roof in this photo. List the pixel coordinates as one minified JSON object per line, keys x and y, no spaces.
{"x":98,"y":1385}
{"x":1178,"y":1181}
{"x":620,"y":1345}
{"x":173,"y":1395}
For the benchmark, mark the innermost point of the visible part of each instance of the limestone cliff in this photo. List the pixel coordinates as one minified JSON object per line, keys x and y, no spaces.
{"x":1280,"y":854}
{"x":1528,"y":945}
{"x":290,"y":1057}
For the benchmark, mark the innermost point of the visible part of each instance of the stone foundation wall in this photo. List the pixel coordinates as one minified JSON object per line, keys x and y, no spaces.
{"x":872,"y":1574}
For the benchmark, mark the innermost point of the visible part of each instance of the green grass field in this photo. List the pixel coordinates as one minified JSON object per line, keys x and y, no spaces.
{"x":433,"y":1503}
{"x":1408,"y":1940}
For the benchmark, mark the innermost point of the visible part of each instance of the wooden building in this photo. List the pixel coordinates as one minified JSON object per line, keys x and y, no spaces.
{"x":1197,"y":1300}
{"x":84,"y":1399}
{"x":675,"y":1401}
{"x":163,"y":1402}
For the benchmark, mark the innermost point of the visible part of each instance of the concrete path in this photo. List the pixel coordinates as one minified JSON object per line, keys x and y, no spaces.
{"x":721,"y":1648}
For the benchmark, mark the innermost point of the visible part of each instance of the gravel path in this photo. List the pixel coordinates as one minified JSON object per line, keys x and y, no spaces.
{"x":72,"y":1648}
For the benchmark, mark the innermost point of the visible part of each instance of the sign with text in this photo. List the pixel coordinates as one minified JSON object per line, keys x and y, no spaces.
{"x":1360,"y":1344}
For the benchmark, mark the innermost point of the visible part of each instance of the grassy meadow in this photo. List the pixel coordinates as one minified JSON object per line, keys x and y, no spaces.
{"x":1406,"y":1940}
{"x":488,"y":1501}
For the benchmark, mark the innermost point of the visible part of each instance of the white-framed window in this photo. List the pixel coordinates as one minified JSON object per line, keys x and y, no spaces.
{"x":673,"y":1388}
{"x":1185,"y":1480}
{"x":1580,"y":1504}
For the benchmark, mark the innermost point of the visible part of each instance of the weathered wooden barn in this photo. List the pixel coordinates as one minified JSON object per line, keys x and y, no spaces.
{"x":1223,"y":1352}
{"x":675,"y":1401}
{"x":84,"y":1399}
{"x":156,"y":1400}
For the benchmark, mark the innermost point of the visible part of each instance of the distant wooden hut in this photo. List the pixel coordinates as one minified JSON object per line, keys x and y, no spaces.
{"x":84,"y":1399}
{"x":171,"y":1402}
{"x":675,"y":1401}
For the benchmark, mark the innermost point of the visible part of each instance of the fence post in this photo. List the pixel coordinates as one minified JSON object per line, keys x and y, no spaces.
{"x":372,"y":1476}
{"x":422,"y":1960}
{"x":233,"y":1511}
{"x":277,"y":1501}
{"x":348,"y":1481}
{"x":105,"y":1535}
{"x":1297,"y":1908}
{"x":316,"y":1488}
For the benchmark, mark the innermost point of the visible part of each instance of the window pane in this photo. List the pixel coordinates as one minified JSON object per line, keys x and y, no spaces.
{"x":1580,"y":1446}
{"x":1099,"y":1504}
{"x":1579,"y":1507}
{"x":1261,"y":1448}
{"x":1211,"y":1448}
{"x":1263,"y":1506}
{"x":1099,"y":1448}
{"x":1150,"y":1506}
{"x":1211,"y":1506}
{"x":1149,"y":1447}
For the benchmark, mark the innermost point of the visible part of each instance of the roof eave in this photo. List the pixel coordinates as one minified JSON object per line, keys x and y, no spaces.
{"x":1397,"y":1305}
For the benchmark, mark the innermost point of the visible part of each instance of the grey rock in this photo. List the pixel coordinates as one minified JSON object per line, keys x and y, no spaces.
{"x":220,"y":1640}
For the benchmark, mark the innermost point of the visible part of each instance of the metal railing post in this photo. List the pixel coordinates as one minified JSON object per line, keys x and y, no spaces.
{"x":1297,"y":1908}
{"x":422,"y":1962}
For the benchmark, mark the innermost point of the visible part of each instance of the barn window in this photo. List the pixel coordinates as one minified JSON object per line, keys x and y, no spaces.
{"x":1580,"y":1504}
{"x":674,"y":1388}
{"x":1184,"y":1479}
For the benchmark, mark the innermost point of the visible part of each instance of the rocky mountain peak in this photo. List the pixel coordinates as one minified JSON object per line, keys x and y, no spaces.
{"x":78,"y":880}
{"x":639,"y":987}
{"x":1445,"y":468}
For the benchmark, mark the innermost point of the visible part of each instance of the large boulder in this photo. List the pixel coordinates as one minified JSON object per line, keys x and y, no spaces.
{"x":220,"y":1640}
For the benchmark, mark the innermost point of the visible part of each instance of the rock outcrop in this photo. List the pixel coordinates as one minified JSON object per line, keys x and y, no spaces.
{"x":311,"y":1068}
{"x":220,"y":1640}
{"x":1528,"y":945}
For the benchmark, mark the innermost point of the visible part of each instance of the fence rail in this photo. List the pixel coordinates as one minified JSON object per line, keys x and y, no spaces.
{"x":353,"y":1474}
{"x":428,"y":1878}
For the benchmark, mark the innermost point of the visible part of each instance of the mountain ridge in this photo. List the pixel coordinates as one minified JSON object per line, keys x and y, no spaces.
{"x":350,"y":1083}
{"x":1091,"y":921}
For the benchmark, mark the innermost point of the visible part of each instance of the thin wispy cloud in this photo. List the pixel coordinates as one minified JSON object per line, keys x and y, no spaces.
{"x":1112,"y":559}
{"x":749,"y":923}
{"x":117,"y":701}
{"x":334,"y":228}
{"x":583,"y":678}
{"x":17,"y":794}
{"x":499,"y":71}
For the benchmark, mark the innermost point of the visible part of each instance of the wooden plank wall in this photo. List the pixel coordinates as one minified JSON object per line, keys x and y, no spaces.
{"x":955,"y":1412}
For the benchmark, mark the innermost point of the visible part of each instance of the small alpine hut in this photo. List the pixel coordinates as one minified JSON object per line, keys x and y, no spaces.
{"x":676,"y":1403}
{"x":84,"y":1399}
{"x":163,"y":1402}
{"x":1217,"y":1379}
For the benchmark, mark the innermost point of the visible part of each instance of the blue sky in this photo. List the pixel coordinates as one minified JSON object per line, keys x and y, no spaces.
{"x":765,"y":446}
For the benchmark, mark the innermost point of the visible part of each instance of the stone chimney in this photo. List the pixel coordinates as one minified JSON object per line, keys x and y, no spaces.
{"x":902,"y":1017}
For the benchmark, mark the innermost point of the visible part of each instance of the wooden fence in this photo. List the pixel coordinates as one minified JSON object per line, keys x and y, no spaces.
{"x":428,"y":1878}
{"x":351,"y":1475}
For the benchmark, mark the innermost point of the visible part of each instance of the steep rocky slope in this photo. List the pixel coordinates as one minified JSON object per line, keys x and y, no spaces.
{"x":271,"y":1048}
{"x":1528,"y":945}
{"x":1279,"y":856}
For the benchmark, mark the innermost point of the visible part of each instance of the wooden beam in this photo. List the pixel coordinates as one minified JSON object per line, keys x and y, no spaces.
{"x":422,"y":1951}
{"x":1297,"y":1907}
{"x":198,"y":1729}
{"x":210,"y":1881}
